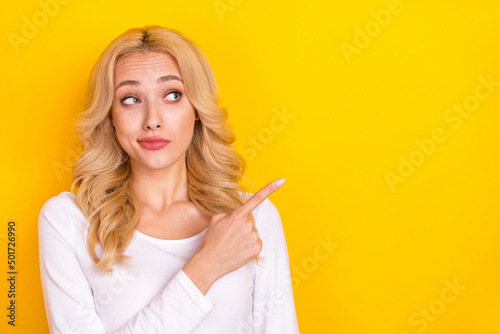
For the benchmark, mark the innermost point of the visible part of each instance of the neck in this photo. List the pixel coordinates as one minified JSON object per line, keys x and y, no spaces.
{"x":158,"y":189}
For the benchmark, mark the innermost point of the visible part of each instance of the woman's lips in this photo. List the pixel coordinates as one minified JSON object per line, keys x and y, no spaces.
{"x":154,"y":143}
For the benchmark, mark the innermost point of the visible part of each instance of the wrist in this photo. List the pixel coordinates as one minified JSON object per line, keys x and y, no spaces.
{"x":201,"y":272}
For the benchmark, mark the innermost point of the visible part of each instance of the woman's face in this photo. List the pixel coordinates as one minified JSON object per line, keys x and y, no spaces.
{"x":151,"y":113}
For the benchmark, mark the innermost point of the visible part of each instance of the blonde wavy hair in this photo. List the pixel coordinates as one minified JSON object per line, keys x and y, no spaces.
{"x":102,"y":173}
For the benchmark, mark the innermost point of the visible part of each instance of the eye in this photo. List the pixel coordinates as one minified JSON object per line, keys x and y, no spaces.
{"x":130,"y":100}
{"x":173,"y":96}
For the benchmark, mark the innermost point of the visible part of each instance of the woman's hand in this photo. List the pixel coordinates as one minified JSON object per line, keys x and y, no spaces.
{"x":231,"y":240}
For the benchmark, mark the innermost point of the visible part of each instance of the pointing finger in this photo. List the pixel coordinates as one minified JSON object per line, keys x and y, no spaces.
{"x":259,"y":197}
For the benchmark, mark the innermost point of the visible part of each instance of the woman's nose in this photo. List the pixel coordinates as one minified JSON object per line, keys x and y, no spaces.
{"x":153,"y":125}
{"x":153,"y":120}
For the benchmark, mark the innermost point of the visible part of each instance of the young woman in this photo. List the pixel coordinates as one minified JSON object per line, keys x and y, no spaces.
{"x":160,"y":236}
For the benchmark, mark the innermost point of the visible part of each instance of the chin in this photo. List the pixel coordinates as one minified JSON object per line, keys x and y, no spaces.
{"x":159,"y":164}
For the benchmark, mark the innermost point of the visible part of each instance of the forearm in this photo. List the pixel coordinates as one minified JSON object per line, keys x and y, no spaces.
{"x":201,"y":271}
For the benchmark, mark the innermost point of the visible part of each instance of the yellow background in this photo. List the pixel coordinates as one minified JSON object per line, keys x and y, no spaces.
{"x":351,"y":119}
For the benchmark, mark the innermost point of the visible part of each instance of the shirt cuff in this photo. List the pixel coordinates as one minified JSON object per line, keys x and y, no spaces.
{"x":192,"y":291}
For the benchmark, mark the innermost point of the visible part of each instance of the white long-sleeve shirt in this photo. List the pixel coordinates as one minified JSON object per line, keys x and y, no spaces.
{"x":153,"y":294}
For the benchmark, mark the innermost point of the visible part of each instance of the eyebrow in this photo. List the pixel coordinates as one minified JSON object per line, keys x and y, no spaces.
{"x":161,"y":79}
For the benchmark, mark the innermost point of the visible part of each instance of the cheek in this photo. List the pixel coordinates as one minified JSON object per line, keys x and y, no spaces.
{"x":125,"y":122}
{"x":186,"y":127}
{"x":124,"y":129}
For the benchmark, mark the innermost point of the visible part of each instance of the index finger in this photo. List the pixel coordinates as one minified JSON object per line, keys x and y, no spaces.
{"x":259,"y":197}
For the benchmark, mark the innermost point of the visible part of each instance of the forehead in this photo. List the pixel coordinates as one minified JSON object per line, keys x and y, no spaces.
{"x":145,"y":65}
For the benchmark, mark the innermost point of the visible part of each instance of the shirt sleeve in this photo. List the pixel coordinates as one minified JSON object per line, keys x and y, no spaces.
{"x":68,"y":295}
{"x":274,"y":306}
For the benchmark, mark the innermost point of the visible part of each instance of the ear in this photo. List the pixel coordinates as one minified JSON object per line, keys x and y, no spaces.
{"x":196,"y":116}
